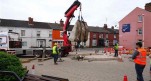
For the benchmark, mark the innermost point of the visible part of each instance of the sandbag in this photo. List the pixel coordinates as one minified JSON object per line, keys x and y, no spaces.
{"x":84,"y":31}
{"x":75,"y":33}
{"x":79,"y":32}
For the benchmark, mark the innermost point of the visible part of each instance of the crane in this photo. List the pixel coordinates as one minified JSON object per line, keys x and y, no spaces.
{"x":69,"y":14}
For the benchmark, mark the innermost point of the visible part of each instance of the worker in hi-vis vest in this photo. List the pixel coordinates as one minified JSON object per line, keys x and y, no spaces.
{"x":116,"y":50}
{"x":55,"y":53}
{"x":139,"y":58}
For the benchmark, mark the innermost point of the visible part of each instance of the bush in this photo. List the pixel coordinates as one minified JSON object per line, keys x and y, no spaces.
{"x":10,"y":63}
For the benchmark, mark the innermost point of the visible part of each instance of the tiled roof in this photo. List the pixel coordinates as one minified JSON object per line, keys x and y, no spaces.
{"x":113,"y":30}
{"x":20,"y":23}
{"x":55,"y":26}
{"x":101,"y":29}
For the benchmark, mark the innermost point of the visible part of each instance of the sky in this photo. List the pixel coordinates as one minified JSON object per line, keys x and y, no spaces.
{"x":95,"y":12}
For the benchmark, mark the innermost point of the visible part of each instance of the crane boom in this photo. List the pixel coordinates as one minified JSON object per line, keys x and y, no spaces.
{"x":69,"y":14}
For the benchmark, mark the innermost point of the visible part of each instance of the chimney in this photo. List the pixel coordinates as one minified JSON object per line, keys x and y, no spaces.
{"x":30,"y":21}
{"x":112,"y":27}
{"x":148,"y":7}
{"x":61,"y":22}
{"x":105,"y":26}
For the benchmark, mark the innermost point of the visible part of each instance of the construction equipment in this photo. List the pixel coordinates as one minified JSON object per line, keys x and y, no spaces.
{"x":69,"y":14}
{"x":10,"y":42}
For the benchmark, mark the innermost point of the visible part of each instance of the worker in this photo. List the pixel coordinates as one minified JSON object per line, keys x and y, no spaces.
{"x":116,"y":50}
{"x":139,"y":58}
{"x":55,"y":53}
{"x":59,"y":53}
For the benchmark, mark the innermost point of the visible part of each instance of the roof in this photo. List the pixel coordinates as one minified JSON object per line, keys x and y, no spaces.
{"x":102,"y":30}
{"x":57,"y":26}
{"x":23,"y":24}
{"x":113,"y":30}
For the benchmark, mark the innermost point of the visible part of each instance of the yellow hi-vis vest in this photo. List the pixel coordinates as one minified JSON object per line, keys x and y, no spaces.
{"x":54,"y":50}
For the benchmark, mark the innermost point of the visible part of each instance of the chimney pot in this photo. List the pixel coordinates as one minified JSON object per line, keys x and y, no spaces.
{"x":148,"y":7}
{"x":113,"y":27}
{"x":105,"y":26}
{"x":30,"y":21}
{"x":61,"y":22}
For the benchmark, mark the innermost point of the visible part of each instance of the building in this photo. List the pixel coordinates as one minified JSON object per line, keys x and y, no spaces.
{"x":136,"y":26}
{"x":103,"y":36}
{"x":57,"y":32}
{"x":32,"y":34}
{"x":41,"y":34}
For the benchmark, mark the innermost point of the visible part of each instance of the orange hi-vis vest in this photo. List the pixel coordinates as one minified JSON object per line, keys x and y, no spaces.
{"x":141,"y":58}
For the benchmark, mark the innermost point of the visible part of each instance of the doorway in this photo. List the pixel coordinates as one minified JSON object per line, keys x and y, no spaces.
{"x":41,"y":43}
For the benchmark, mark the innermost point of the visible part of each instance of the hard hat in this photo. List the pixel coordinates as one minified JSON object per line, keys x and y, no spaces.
{"x":55,"y":44}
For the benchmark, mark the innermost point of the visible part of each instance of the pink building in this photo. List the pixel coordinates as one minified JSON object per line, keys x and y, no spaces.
{"x":131,"y":27}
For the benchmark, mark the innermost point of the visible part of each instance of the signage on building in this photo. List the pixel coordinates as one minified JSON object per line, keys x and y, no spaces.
{"x":126,"y":28}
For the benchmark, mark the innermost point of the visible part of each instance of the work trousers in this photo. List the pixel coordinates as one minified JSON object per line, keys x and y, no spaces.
{"x":139,"y":71}
{"x":55,"y":56}
{"x":116,"y":53}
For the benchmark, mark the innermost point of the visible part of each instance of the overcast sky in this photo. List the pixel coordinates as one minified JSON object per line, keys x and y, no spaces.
{"x":95,"y":12}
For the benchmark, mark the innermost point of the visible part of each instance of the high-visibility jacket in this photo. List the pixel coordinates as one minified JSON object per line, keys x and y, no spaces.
{"x":116,"y":47}
{"x":141,"y":58}
{"x":54,"y":51}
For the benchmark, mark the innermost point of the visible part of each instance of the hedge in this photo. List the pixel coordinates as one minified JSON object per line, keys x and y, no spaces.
{"x":10,"y":62}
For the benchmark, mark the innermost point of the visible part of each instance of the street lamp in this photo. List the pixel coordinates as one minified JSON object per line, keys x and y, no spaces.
{"x":143,"y":29}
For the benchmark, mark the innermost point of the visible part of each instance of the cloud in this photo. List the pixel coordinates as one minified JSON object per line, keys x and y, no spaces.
{"x":95,"y":12}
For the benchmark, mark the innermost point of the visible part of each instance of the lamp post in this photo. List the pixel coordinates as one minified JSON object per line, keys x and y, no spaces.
{"x":143,"y":29}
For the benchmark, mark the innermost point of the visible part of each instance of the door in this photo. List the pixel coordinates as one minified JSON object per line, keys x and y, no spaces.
{"x":94,"y":42}
{"x":41,"y":42}
{"x":107,"y":43}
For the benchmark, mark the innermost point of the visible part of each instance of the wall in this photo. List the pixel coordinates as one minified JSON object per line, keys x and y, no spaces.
{"x":129,"y":39}
{"x":31,"y":35}
{"x":56,"y":36}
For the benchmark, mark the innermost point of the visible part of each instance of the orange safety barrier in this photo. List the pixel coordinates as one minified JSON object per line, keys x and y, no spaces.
{"x":109,"y":50}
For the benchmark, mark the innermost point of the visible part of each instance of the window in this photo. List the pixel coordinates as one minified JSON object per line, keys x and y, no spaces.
{"x":114,"y":35}
{"x":61,"y":33}
{"x":50,"y":34}
{"x":38,"y":33}
{"x":24,"y":43}
{"x":140,"y":40}
{"x":106,"y":35}
{"x":22,"y":32}
{"x":140,"y":18}
{"x":140,"y":31}
{"x":101,"y":36}
{"x":94,"y":35}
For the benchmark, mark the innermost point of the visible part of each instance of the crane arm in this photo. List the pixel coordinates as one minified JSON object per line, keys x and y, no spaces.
{"x":69,"y":14}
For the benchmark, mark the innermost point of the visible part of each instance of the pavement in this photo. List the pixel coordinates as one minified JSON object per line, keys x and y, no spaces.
{"x":74,"y":70}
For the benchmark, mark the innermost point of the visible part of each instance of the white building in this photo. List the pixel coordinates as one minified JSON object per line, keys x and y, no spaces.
{"x":37,"y":35}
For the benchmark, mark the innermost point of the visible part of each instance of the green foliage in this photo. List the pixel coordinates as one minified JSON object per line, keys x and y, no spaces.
{"x":10,"y":63}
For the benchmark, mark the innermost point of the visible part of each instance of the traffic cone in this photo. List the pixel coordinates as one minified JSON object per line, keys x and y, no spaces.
{"x":33,"y":69}
{"x":125,"y":78}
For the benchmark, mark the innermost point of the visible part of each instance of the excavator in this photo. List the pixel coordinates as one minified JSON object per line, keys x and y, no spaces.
{"x":69,"y":14}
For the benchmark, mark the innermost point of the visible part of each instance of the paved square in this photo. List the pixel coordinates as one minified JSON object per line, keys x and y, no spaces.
{"x":88,"y":71}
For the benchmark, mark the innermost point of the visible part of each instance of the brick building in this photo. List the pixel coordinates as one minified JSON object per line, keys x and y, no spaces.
{"x":103,"y":36}
{"x":136,"y":27}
